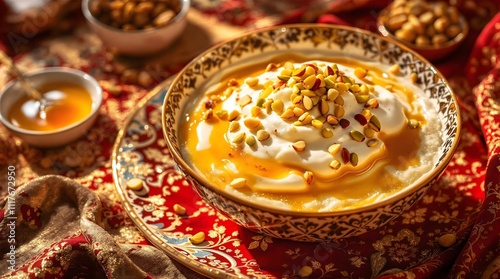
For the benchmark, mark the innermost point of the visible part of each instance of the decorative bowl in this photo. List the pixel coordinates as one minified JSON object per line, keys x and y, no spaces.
{"x":429,"y":51}
{"x":138,"y":42}
{"x":314,"y":39}
{"x":12,"y":92}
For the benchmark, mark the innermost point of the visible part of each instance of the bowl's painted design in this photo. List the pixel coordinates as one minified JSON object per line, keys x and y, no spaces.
{"x":317,"y":40}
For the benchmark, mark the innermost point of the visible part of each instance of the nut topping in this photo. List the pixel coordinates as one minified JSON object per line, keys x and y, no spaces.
{"x":318,"y":96}
{"x":299,"y":146}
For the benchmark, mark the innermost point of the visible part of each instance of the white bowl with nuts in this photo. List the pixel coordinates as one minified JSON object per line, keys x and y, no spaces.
{"x":136,"y":28}
{"x":323,"y":132}
{"x":433,"y":29}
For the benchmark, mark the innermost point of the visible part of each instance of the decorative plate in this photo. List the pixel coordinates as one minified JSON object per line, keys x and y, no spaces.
{"x":408,"y":243}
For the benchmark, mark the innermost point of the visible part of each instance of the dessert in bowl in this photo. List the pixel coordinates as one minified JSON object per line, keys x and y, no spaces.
{"x":433,"y":29}
{"x":74,"y":99}
{"x":311,"y":132}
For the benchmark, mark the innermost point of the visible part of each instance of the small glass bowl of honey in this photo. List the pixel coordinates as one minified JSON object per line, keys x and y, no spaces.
{"x":73,"y":101}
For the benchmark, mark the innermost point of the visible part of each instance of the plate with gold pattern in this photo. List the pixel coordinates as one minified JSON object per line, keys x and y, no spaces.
{"x":407,"y":244}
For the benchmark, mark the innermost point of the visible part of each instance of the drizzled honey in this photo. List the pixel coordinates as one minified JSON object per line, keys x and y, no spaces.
{"x":353,"y":185}
{"x":69,"y":103}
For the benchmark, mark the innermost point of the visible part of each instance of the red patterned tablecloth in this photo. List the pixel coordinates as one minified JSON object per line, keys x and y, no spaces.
{"x":65,"y":230}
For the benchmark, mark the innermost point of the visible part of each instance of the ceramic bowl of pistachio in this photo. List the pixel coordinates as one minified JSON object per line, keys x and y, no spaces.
{"x":136,"y":28}
{"x":433,"y":29}
{"x":311,"y":132}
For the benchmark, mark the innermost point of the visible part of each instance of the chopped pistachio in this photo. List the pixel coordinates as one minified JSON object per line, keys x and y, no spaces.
{"x":346,"y":155}
{"x":256,"y":111}
{"x":361,"y":99}
{"x":233,"y":115}
{"x":252,"y":123}
{"x":374,"y":123}
{"x":222,"y":114}
{"x":179,"y":209}
{"x":334,"y":149}
{"x":413,"y":124}
{"x":245,"y":100}
{"x":360,"y":72}
{"x":368,"y":132}
{"x":238,"y":183}
{"x":298,"y":111}
{"x":372,"y":103}
{"x":338,"y":111}
{"x":135,"y":184}
{"x":207,"y":115}
{"x":234,"y":126}
{"x":335,"y":164}
{"x":323,"y":107}
{"x":332,"y":120}
{"x":250,"y":140}
{"x":299,"y":145}
{"x":307,"y":102}
{"x":357,"y":135}
{"x":394,"y":69}
{"x":354,"y":159}
{"x":339,"y":100}
{"x":260,"y":102}
{"x":308,"y":176}
{"x":327,"y":133}
{"x":239,"y":138}
{"x":332,"y":94}
{"x":372,"y":143}
{"x":252,"y":81}
{"x":278,"y":106}
{"x":318,"y":124}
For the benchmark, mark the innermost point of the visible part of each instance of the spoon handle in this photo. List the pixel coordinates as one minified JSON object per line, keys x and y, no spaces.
{"x":20,"y":77}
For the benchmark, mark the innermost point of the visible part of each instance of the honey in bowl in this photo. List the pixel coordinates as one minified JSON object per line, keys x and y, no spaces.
{"x":68,"y":103}
{"x":313,"y":135}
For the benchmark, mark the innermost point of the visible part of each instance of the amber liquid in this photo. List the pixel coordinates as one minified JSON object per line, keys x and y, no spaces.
{"x":69,"y":103}
{"x":400,"y":154}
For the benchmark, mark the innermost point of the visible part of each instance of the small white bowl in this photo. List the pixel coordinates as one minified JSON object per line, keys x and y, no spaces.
{"x":138,"y":42}
{"x":12,"y":92}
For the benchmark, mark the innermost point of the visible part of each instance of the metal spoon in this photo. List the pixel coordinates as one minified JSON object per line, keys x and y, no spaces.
{"x":32,"y":92}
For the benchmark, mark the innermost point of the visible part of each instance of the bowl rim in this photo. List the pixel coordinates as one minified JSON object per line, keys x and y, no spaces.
{"x":383,"y":15}
{"x":65,"y":70}
{"x":433,"y":174}
{"x":185,"y":5}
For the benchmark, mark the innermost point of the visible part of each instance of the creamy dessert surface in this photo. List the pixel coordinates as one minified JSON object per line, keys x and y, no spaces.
{"x":313,"y":135}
